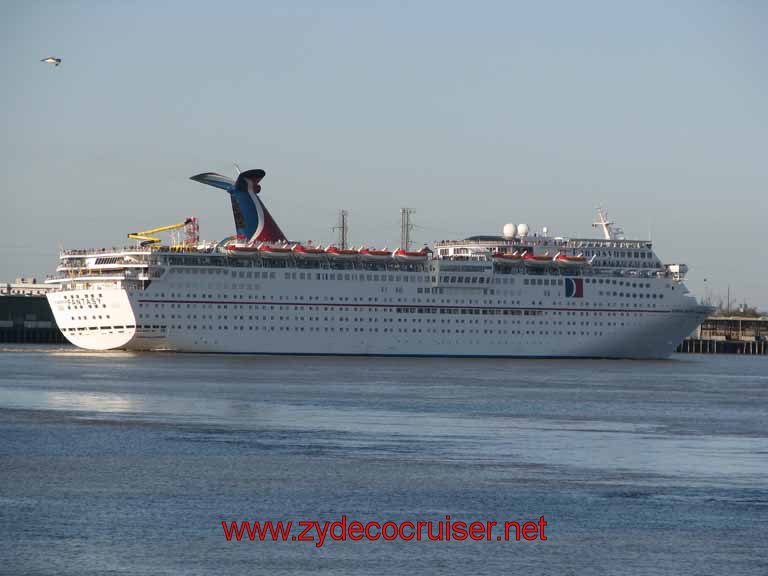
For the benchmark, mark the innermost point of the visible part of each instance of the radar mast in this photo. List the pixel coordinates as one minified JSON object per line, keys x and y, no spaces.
{"x":609,"y":233}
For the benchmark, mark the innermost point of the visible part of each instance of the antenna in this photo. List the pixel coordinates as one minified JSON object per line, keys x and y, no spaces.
{"x":237,"y":168}
{"x":603,"y":223}
{"x":343,"y":228}
{"x":405,"y":228}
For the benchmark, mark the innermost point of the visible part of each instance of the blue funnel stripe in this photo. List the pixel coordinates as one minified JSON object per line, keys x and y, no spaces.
{"x":246,"y":214}
{"x":249,"y":216}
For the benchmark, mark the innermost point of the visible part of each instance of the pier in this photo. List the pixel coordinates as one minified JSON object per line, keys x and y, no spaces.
{"x":728,"y":335}
{"x":28,"y":319}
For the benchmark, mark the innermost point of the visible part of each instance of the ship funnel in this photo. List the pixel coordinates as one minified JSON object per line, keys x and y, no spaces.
{"x":252,"y":219}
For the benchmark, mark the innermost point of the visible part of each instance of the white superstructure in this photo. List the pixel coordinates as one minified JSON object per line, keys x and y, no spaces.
{"x":508,"y":296}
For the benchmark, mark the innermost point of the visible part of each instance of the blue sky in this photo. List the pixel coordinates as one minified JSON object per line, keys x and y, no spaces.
{"x":474,"y":114}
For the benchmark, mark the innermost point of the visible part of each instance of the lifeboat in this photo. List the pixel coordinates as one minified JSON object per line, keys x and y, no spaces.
{"x":407,"y":256}
{"x":239,"y":249}
{"x":340,"y":253}
{"x":513,"y":258}
{"x":268,"y":251}
{"x":570,"y":261}
{"x":537,"y":261}
{"x":307,"y":252}
{"x":375,"y":255}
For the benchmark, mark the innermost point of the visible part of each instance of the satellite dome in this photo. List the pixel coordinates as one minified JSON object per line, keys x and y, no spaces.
{"x":544,"y":231}
{"x":509,"y":232}
{"x":522,"y":230}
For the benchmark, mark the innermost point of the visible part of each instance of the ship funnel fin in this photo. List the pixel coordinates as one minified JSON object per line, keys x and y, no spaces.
{"x":253,"y":222}
{"x":215,"y":180}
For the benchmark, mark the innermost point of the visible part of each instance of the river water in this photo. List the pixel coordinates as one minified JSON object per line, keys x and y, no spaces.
{"x":121,"y":463}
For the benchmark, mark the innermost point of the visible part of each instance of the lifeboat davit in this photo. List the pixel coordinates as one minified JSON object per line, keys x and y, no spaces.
{"x":307,"y":252}
{"x":407,"y":256}
{"x":375,"y":255}
{"x":570,"y":261}
{"x":341,"y":253}
{"x":275,"y":251}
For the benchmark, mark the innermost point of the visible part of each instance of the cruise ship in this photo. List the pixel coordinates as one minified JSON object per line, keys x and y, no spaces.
{"x":517,"y":294}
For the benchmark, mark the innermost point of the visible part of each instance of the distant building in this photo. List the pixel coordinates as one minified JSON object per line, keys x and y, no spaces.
{"x":25,"y":286}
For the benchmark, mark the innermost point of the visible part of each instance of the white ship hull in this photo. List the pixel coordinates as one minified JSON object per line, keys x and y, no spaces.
{"x":350,"y":317}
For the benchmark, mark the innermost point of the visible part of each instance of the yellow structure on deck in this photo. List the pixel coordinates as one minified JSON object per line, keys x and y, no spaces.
{"x":146,"y":239}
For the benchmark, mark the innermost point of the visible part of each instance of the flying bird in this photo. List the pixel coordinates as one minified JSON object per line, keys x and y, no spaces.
{"x":51,"y":60}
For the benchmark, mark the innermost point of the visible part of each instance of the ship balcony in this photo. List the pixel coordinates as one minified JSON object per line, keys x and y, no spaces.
{"x":90,"y":275}
{"x":109,"y":270}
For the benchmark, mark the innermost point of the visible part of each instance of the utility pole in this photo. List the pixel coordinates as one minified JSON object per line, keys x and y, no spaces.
{"x":405,"y":228}
{"x":343,"y":229}
{"x":706,"y":293}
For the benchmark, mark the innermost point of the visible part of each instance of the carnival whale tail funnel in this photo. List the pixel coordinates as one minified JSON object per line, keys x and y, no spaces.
{"x":253,"y":222}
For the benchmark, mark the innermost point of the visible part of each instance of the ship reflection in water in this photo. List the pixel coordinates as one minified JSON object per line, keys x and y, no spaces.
{"x":92,"y":402}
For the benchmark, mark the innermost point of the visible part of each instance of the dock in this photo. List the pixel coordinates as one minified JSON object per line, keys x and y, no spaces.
{"x":28,"y":319}
{"x":728,"y":335}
